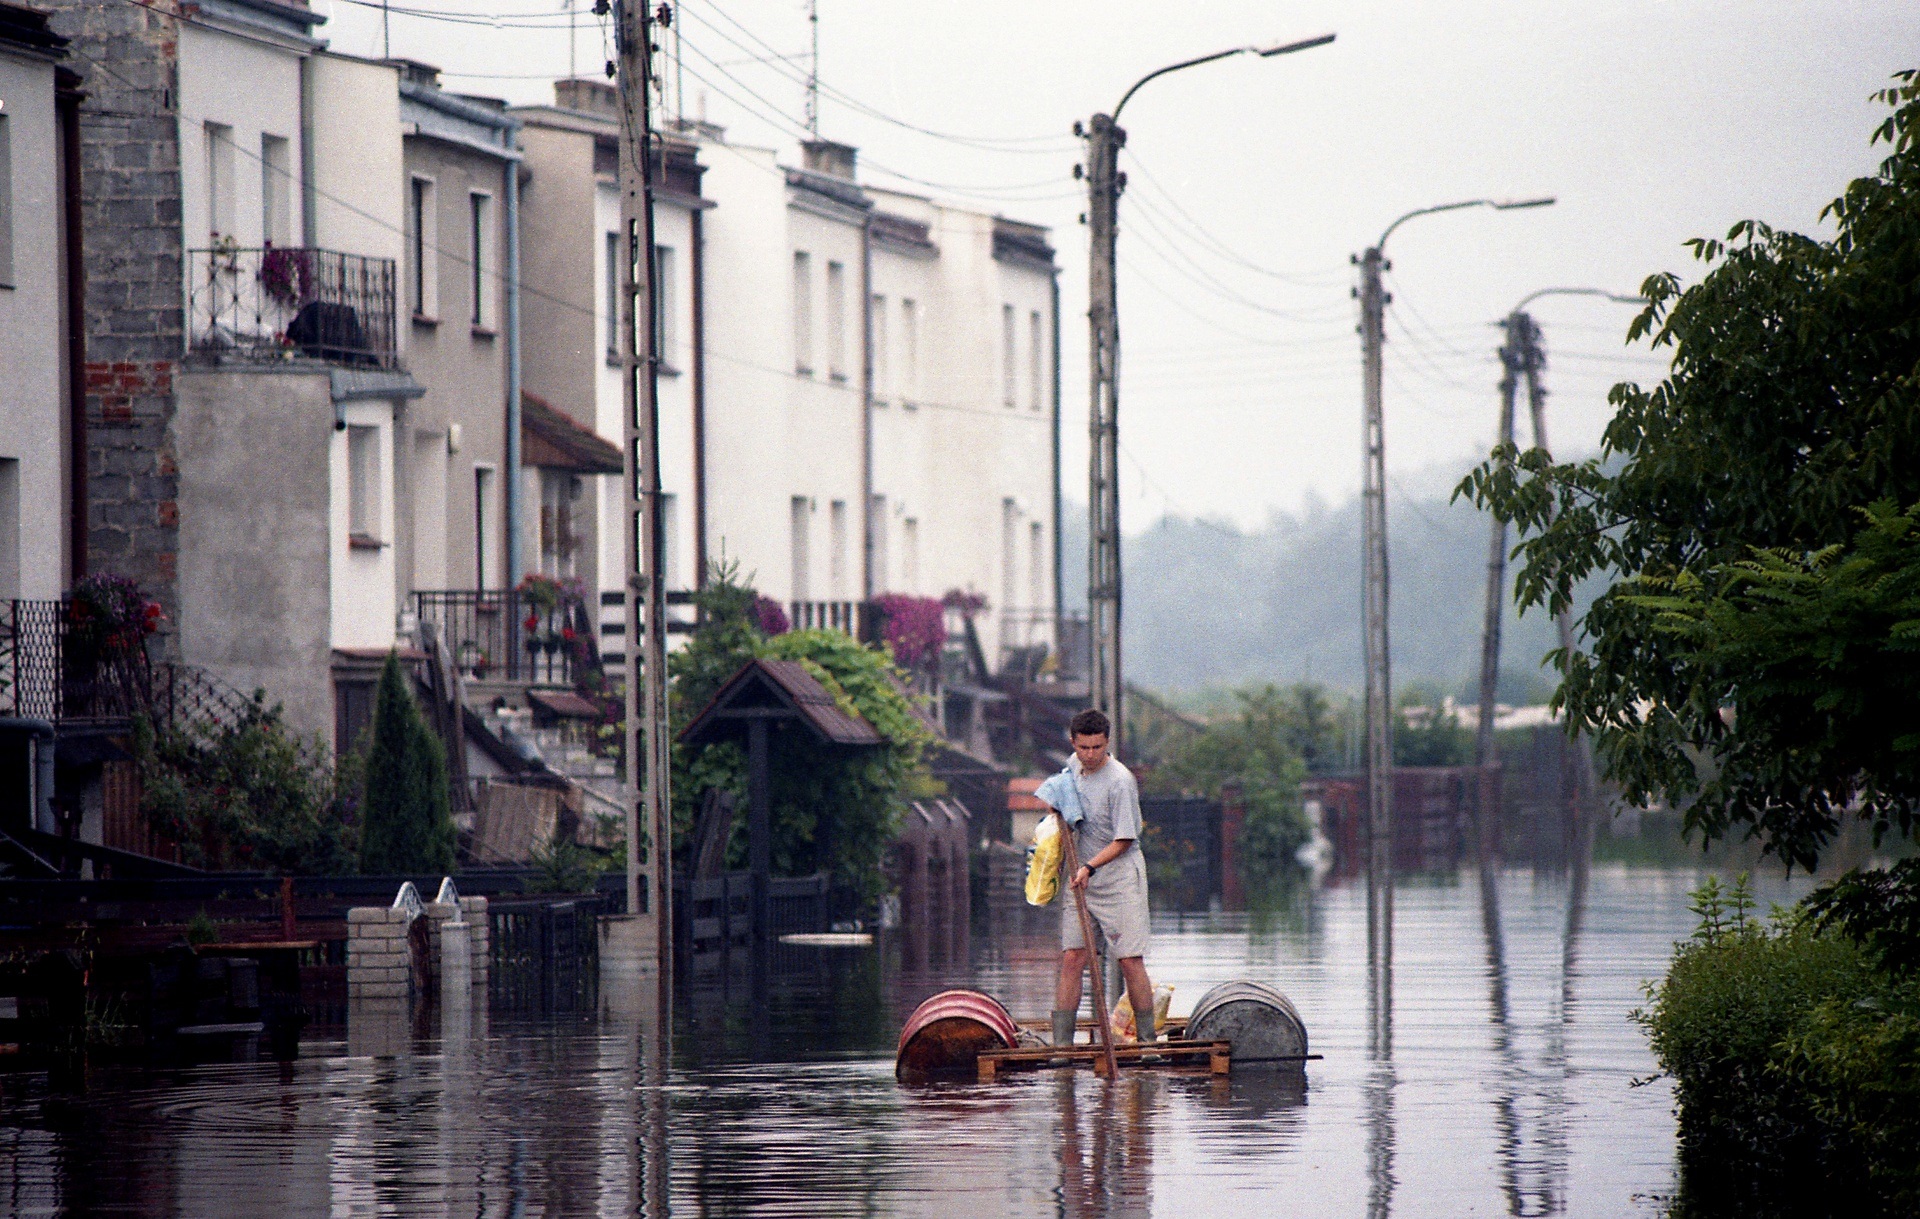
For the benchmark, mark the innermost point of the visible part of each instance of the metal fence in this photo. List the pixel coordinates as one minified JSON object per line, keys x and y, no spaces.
{"x":546,"y":953}
{"x":51,"y":670}
{"x":1182,"y":850}
{"x":273,"y":302}
{"x":716,"y":914}
{"x":504,"y":636}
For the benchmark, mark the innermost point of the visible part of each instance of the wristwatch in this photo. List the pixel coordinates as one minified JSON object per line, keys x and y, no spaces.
{"x":1091,"y":868}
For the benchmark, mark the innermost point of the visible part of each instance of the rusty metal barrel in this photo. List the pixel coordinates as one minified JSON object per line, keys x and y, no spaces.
{"x":946,"y":1034}
{"x":1260,"y":1022}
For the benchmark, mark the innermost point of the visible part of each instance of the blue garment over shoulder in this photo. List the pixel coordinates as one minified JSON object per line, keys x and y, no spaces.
{"x":1061,"y":792}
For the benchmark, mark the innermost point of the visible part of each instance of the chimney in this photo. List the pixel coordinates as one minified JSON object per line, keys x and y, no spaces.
{"x":826,"y":157}
{"x":416,"y":73}
{"x":586,"y":94}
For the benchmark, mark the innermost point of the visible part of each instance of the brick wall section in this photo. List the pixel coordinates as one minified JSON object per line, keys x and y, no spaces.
{"x":130,"y":181}
{"x":379,"y":965}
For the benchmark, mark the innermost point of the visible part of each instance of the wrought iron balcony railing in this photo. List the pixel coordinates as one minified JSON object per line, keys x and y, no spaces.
{"x":274,"y":303}
{"x":507,"y":636}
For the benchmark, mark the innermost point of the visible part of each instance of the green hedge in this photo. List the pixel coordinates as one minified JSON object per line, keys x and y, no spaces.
{"x":1796,"y":1062}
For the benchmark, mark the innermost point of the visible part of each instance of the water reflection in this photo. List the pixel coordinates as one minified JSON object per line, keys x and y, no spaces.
{"x":1498,"y":1084}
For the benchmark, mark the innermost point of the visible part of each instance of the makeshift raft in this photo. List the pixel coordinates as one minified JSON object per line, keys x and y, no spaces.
{"x":963,"y":1034}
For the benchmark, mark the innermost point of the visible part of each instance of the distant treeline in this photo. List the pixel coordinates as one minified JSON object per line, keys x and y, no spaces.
{"x":1210,"y":607}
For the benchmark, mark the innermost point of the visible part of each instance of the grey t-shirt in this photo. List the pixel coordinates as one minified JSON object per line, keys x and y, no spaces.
{"x":1111,"y":798}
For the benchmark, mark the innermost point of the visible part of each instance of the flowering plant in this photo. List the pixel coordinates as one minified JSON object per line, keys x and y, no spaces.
{"x":285,"y":275}
{"x":964,"y":600}
{"x":547,"y":593}
{"x":110,"y":612}
{"x":914,"y":627}
{"x":770,"y":617}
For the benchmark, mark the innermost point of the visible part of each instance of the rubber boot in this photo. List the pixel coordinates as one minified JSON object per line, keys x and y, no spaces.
{"x":1063,"y":1022}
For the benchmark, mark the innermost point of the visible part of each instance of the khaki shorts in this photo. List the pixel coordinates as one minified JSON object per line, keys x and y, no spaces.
{"x":1117,"y":904}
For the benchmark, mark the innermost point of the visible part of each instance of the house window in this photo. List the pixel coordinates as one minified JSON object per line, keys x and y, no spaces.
{"x":1035,"y":334}
{"x":665,"y":335}
{"x":479,"y":230}
{"x":558,"y":540}
{"x":837,"y":549}
{"x":6,"y":203}
{"x":800,"y":526}
{"x":483,"y":492}
{"x":909,"y":351}
{"x":837,"y":321}
{"x":1006,"y":354}
{"x":670,"y":541}
{"x":421,"y":239}
{"x":1036,"y":566}
{"x":220,"y":217}
{"x":878,"y":523}
{"x":803,"y":313}
{"x":9,"y":528}
{"x":352,"y":714}
{"x":910,"y":554}
{"x":613,"y":297}
{"x":1009,"y":540}
{"x":363,"y":485}
{"x":881,"y":374}
{"x":276,"y":199}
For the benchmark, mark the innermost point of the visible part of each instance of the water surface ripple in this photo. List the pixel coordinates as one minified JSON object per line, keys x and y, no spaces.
{"x":1503,"y":1087}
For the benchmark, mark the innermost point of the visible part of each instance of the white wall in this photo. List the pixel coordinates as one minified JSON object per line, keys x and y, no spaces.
{"x":32,"y":343}
{"x":362,"y":578}
{"x":359,"y":171}
{"x":252,"y":88}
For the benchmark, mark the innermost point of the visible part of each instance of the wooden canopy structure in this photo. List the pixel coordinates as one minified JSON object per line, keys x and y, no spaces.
{"x":764,"y":697}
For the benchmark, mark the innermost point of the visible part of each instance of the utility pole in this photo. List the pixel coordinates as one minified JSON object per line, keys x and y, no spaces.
{"x":1514,"y":355}
{"x":1104,"y":184}
{"x":1377,"y":755}
{"x":647,"y":764}
{"x":813,"y":70}
{"x":1572,"y":768}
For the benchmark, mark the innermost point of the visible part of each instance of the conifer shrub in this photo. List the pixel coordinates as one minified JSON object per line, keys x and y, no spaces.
{"x":405,"y":827}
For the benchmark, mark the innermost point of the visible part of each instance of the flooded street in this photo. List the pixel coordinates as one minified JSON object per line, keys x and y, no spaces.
{"x":1507,"y":1088}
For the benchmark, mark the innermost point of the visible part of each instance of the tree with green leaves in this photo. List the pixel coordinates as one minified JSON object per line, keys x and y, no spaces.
{"x":405,"y":827}
{"x":834,"y":809}
{"x":1257,"y":748}
{"x":1753,"y":659}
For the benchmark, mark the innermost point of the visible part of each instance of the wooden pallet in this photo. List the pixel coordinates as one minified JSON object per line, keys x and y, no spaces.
{"x":1170,"y":1029}
{"x":1216,"y":1056}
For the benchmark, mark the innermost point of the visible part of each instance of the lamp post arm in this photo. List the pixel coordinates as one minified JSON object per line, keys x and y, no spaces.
{"x":1620,"y":298}
{"x":1191,"y":63}
{"x":1287,"y":48}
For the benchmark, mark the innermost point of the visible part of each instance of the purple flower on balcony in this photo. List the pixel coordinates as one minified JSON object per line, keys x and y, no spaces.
{"x":914,"y":627}
{"x":770,"y":617}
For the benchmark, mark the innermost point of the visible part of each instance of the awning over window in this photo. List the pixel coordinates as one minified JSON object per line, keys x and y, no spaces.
{"x":550,"y":439}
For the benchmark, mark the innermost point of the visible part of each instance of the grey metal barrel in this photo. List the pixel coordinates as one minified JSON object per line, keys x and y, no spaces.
{"x":1262,"y":1024}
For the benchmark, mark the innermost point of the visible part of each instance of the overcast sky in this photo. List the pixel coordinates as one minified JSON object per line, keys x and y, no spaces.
{"x":1252,"y":182}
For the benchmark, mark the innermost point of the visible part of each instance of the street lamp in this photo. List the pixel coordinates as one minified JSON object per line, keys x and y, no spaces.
{"x":1379,"y":699}
{"x":1104,"y":183}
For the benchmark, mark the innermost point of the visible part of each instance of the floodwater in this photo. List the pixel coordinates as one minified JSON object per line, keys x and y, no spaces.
{"x":1506,"y":1082}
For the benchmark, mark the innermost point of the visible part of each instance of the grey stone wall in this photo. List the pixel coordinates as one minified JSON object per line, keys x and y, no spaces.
{"x":130,"y":180}
{"x":253,"y":460}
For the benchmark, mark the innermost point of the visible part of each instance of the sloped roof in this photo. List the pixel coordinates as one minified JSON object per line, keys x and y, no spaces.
{"x":549,"y":438}
{"x":777,"y":689}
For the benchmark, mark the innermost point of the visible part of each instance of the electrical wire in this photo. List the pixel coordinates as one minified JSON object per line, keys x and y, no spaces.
{"x":983,"y":143}
{"x":1220,"y":248}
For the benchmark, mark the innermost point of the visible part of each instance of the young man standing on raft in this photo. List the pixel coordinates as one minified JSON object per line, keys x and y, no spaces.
{"x":1112,"y":875}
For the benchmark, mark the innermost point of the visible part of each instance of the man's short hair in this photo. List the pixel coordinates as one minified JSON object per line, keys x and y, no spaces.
{"x":1091,"y":722}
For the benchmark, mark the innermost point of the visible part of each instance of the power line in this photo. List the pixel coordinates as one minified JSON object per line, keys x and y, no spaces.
{"x":1220,"y":248}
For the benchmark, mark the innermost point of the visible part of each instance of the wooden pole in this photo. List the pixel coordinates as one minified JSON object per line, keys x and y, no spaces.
{"x":1102,"y":1029}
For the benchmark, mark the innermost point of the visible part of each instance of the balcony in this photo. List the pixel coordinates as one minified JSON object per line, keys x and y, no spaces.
{"x":507,"y":636}
{"x":53,"y":669}
{"x":274,"y":304}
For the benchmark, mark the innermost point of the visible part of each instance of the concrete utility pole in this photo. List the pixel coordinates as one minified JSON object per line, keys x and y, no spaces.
{"x":1514,"y":354}
{"x":647,"y":764}
{"x":1105,"y":182}
{"x":1521,"y":355}
{"x":1378,"y":713}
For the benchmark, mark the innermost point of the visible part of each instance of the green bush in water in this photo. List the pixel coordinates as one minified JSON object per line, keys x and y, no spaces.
{"x":1796,"y":1063}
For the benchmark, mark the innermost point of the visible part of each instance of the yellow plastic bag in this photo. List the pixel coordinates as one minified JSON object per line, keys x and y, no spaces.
{"x":1043,"y":863}
{"x":1121,"y":1022}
